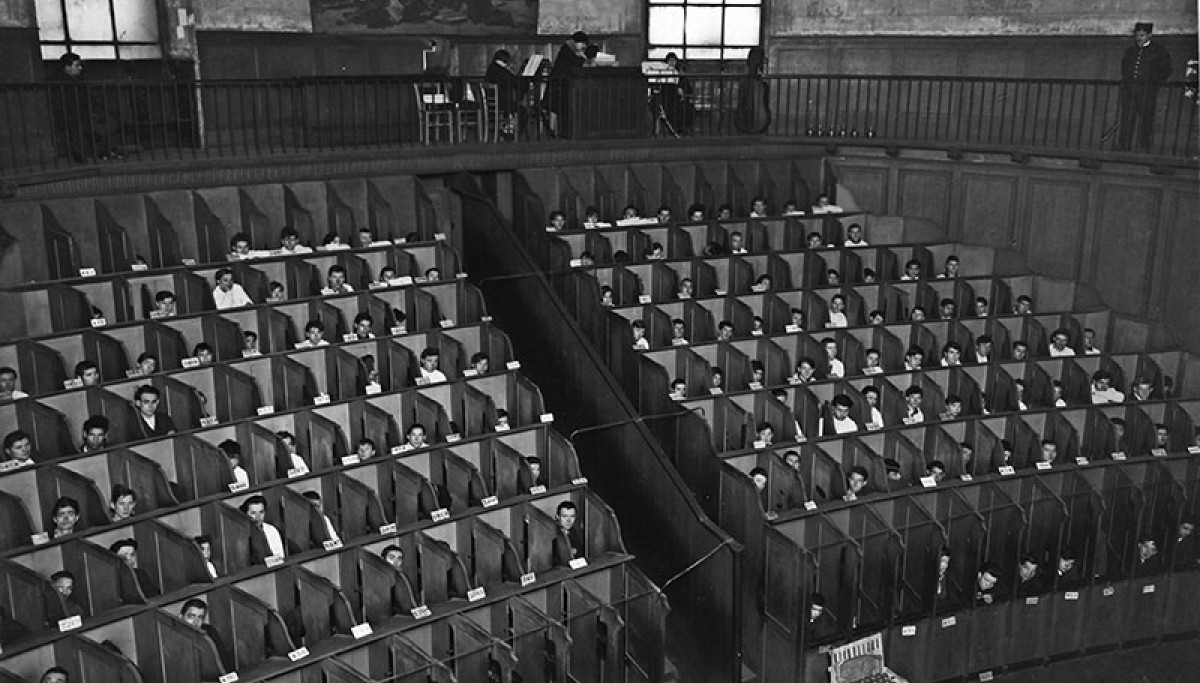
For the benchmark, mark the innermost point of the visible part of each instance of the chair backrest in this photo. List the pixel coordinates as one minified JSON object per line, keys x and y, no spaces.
{"x":488,"y":96}
{"x":491,"y":99}
{"x":430,"y":93}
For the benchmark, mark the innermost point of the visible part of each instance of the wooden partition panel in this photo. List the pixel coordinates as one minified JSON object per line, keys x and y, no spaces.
{"x":89,"y":660}
{"x":55,"y":482}
{"x":99,"y":576}
{"x":1078,"y":234}
{"x":16,"y":525}
{"x":41,"y":368}
{"x":323,"y":607}
{"x":303,"y":528}
{"x":230,"y":531}
{"x":47,"y":428}
{"x":171,"y":559}
{"x":143,"y":475}
{"x":408,"y":497}
{"x":24,"y":596}
{"x":169,"y":650}
{"x":540,"y":534}
{"x":357,"y":508}
{"x":294,"y":385}
{"x":255,"y":631}
{"x":443,"y":575}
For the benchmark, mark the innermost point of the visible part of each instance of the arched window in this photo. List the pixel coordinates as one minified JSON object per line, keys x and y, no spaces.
{"x":704,"y":29}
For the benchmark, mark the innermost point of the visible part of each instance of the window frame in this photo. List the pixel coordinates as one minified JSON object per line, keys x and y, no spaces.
{"x":723,"y":47}
{"x":68,"y":44}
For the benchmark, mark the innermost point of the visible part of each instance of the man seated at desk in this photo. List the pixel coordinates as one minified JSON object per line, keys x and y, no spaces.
{"x":126,"y":549}
{"x":402,"y":594}
{"x":265,"y":539}
{"x":195,"y":613}
{"x":568,"y":543}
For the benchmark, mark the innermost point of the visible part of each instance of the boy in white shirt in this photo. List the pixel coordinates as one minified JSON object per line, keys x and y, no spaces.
{"x":227,"y":293}
{"x":983,"y":349}
{"x":842,"y":422}
{"x":954,"y":406}
{"x":873,"y":366}
{"x":255,"y":507}
{"x":951,"y":354}
{"x":8,"y":385}
{"x":1058,"y":344}
{"x":233,"y":451}
{"x":854,"y":236}
{"x":335,"y":282}
{"x":951,"y":268}
{"x":239,"y":247}
{"x":798,"y":319}
{"x":837,"y":308}
{"x":591,"y":219}
{"x":1089,"y":342}
{"x":293,"y":449}
{"x":915,"y":359}
{"x":806,"y":371}
{"x":737,"y":243}
{"x":1020,"y":388}
{"x":289,"y":243}
{"x":758,"y":208}
{"x":678,"y":333}
{"x":314,"y":335}
{"x":876,"y":417}
{"x":1057,"y":387}
{"x":18,"y":449}
{"x":640,"y":343}
{"x":1102,"y":391}
{"x":912,"y":405}
{"x":204,"y":543}
{"x":430,"y":374}
{"x":981,"y":307}
{"x":315,"y":499}
{"x":836,"y":367}
{"x":1024,"y":305}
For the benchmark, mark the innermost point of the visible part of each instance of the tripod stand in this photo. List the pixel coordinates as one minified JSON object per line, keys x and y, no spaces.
{"x":660,"y":115}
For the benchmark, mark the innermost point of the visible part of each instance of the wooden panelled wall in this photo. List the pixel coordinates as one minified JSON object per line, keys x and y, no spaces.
{"x":979,"y":56}
{"x":1131,"y":234}
{"x":243,"y":55}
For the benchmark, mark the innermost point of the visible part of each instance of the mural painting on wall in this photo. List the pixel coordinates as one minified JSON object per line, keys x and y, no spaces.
{"x":424,"y":16}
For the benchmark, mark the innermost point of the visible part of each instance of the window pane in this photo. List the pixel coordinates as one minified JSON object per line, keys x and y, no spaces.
{"x":50,"y":20}
{"x":662,"y":52}
{"x":137,"y":20}
{"x":737,"y":53}
{"x":704,"y":26}
{"x":666,"y":25}
{"x":89,"y":20}
{"x":703,"y":53}
{"x":741,"y":26}
{"x":52,"y":52}
{"x":141,"y":52}
{"x":95,"y":51}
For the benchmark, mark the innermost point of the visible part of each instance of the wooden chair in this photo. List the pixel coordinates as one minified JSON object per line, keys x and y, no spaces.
{"x":472,"y":114}
{"x":499,"y":123}
{"x":435,"y":111}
